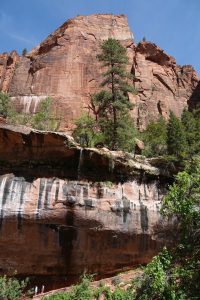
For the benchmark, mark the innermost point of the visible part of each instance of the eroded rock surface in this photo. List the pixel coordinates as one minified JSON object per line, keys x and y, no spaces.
{"x":7,"y":67}
{"x":65,"y":66}
{"x":64,"y":210}
{"x":162,"y":84}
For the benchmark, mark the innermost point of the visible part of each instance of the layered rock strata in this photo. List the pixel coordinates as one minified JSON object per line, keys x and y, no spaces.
{"x":65,"y":210}
{"x":65,"y":66}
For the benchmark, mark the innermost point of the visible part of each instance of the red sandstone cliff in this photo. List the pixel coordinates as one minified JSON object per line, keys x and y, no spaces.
{"x":57,"y":217}
{"x":64,"y":209}
{"x":7,"y":68}
{"x":65,"y":67}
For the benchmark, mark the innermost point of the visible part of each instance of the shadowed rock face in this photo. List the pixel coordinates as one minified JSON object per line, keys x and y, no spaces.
{"x":59,"y":227}
{"x":65,"y":66}
{"x":58,"y":221}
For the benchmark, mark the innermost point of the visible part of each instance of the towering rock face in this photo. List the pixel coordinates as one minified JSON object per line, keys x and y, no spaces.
{"x":7,"y":67}
{"x":64,"y":210}
{"x":65,"y":66}
{"x":162,"y":84}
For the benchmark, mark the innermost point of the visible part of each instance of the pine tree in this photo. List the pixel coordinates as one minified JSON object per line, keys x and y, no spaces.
{"x":110,"y":107}
{"x":114,"y":101}
{"x":24,"y":52}
{"x":176,"y":137}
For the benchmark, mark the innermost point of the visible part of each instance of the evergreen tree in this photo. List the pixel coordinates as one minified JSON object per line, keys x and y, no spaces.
{"x":110,"y":107}
{"x":5,"y":105}
{"x":190,"y":126}
{"x":24,"y":52}
{"x":196,"y":114}
{"x":176,"y":137}
{"x":115,"y":98}
{"x":155,"y":137}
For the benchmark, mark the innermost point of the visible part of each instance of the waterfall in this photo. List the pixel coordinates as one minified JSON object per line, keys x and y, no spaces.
{"x":28,"y":104}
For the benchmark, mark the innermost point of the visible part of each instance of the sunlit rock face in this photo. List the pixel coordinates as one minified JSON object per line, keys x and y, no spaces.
{"x":7,"y":67}
{"x":162,"y":85}
{"x":64,"y":210}
{"x":65,"y":66}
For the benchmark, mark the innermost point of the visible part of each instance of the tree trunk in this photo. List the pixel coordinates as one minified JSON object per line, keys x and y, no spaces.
{"x":114,"y":139}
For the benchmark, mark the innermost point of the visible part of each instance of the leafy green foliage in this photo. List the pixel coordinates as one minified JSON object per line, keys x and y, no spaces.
{"x":155,"y":137}
{"x":125,"y":133}
{"x":5,"y":105}
{"x":183,"y":203}
{"x":86,"y":133}
{"x":84,"y":291}
{"x":176,"y":137}
{"x":175,"y":274}
{"x":155,"y":284}
{"x":45,"y":119}
{"x":81,"y":291}
{"x":191,"y":123}
{"x":11,"y":288}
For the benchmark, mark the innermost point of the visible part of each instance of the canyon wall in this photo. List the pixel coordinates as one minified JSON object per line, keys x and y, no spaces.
{"x":65,"y":210}
{"x":65,"y":66}
{"x":7,"y":68}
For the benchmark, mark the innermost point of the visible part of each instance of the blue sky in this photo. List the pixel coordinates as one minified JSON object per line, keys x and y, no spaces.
{"x":174,"y":25}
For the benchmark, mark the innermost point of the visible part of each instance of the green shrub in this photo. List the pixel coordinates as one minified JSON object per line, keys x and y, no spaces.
{"x":174,"y":274}
{"x":11,"y":288}
{"x":81,"y":291}
{"x":45,"y":119}
{"x":6,"y":109}
{"x":85,"y":132}
{"x":155,"y":137}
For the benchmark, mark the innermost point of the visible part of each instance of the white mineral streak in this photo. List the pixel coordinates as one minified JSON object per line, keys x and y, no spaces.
{"x":130,"y":206}
{"x":28,"y":104}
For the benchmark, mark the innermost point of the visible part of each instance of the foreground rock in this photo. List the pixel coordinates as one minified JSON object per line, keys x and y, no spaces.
{"x":65,"y":210}
{"x":65,"y":66}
